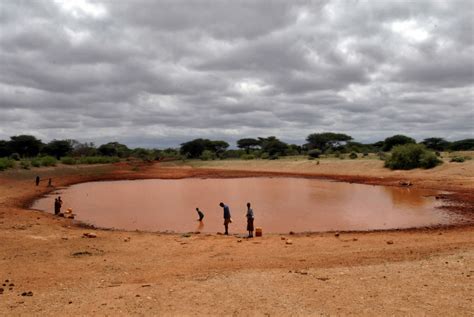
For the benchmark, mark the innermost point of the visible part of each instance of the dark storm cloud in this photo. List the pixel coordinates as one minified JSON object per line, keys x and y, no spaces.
{"x":157,"y":73}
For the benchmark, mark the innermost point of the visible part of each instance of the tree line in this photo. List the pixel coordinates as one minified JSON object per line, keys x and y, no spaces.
{"x":28,"y":146}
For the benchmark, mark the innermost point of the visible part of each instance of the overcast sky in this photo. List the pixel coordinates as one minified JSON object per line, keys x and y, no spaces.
{"x":157,"y":73}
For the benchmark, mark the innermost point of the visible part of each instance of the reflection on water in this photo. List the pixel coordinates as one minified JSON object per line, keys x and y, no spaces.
{"x":280,"y":205}
{"x":406,"y":197}
{"x":200,"y":226}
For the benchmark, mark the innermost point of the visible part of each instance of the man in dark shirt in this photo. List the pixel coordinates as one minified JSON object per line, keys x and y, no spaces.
{"x":227,"y":219}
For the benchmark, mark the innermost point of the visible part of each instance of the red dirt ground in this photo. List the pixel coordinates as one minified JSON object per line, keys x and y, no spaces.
{"x":407,"y":272}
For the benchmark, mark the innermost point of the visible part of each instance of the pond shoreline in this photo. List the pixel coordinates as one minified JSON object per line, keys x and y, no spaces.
{"x":454,"y":200}
{"x":127,"y":273}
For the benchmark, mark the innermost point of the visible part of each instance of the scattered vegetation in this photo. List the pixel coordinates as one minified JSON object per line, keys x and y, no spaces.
{"x":97,"y":160}
{"x":28,"y":151}
{"x":411,"y":156}
{"x":248,"y":157}
{"x":6,"y":163}
{"x":25,"y":164}
{"x":353,"y":156}
{"x":315,"y":153}
{"x":207,"y":155}
{"x":458,"y":159}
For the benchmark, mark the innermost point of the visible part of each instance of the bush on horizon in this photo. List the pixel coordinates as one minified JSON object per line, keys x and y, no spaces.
{"x":98,"y":160}
{"x":248,"y":157}
{"x":6,"y":163}
{"x":36,"y":162}
{"x":457,"y":159}
{"x":15,"y":156}
{"x":353,"y":156}
{"x":25,"y":164}
{"x":207,"y":155}
{"x":68,"y":160}
{"x":48,"y":161}
{"x":315,"y":153}
{"x":410,"y":156}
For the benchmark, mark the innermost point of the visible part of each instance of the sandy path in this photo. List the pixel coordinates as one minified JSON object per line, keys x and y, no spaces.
{"x":411,"y":272}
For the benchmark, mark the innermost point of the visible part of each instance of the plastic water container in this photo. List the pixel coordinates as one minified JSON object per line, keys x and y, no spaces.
{"x":258,"y":232}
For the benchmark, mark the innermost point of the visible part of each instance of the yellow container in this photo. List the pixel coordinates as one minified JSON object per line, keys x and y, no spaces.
{"x":258,"y":232}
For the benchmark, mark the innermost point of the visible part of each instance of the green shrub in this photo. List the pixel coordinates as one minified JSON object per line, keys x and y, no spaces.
{"x":207,"y":155}
{"x":98,"y":160}
{"x":264,"y":156}
{"x":458,"y":159}
{"x":248,"y":157}
{"x":411,"y":156}
{"x":25,"y":164}
{"x":382,"y":156}
{"x":48,"y":161}
{"x":68,"y":160}
{"x":315,"y":153}
{"x":429,"y":160}
{"x":353,"y":156}
{"x":6,"y":163}
{"x":235,"y":154}
{"x":36,"y":162}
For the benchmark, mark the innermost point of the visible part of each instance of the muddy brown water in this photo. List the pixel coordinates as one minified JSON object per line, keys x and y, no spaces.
{"x":280,"y":205}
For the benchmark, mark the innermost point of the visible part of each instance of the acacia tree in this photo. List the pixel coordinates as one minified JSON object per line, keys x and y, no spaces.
{"x":195,"y":148}
{"x":462,"y":145}
{"x":248,"y":144}
{"x":398,"y":139}
{"x":25,"y":145}
{"x":83,"y":149}
{"x":219,"y":147}
{"x":4,"y":150}
{"x":114,"y":149}
{"x":58,"y":148}
{"x":273,"y":146}
{"x":326,"y":140}
{"x":437,"y":144}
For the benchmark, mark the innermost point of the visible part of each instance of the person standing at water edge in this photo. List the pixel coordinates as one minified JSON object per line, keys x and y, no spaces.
{"x":200,"y":213}
{"x":60,"y":203}
{"x":57,"y":206}
{"x":250,"y":218}
{"x":226,"y":217}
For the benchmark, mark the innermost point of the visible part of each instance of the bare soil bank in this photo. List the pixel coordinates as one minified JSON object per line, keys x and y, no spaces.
{"x":411,"y":272}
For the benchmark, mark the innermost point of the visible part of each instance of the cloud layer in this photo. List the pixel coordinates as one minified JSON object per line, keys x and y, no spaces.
{"x":157,"y":73}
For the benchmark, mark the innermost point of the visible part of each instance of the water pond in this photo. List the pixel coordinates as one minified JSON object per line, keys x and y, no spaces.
{"x":280,"y":204}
